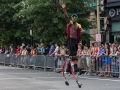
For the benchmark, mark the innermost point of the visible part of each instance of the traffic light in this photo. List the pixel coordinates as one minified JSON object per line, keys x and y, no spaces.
{"x":103,"y":4}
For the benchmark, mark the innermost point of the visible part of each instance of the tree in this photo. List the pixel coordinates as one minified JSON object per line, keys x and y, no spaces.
{"x":45,"y":17}
{"x":12,"y":30}
{"x":48,"y":19}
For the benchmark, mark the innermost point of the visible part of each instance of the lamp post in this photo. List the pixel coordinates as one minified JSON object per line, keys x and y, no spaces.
{"x":31,"y":36}
{"x":98,"y":17}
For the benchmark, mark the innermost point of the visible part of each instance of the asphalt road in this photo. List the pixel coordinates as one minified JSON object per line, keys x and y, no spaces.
{"x":12,"y":78}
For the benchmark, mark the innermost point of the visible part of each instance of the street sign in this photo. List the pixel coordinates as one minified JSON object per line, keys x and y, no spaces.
{"x":93,"y":4}
{"x":98,"y":37}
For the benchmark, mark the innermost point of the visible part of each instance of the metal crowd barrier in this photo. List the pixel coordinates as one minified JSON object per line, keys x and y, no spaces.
{"x":112,"y":62}
{"x":2,"y":58}
{"x":100,"y":65}
{"x":39,"y":61}
{"x":59,"y":61}
{"x":82,"y":63}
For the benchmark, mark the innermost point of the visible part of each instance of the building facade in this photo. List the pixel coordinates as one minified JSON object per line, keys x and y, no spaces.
{"x":113,"y":14}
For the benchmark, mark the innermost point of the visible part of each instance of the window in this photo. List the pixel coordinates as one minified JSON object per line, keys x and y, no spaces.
{"x":115,"y":26}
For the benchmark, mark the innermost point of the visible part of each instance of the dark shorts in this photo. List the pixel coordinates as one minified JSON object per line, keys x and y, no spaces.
{"x":72,"y":45}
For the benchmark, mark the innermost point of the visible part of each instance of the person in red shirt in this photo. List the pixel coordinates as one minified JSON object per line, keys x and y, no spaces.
{"x":17,"y":50}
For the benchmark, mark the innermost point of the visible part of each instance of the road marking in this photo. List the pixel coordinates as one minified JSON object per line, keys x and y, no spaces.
{"x":61,"y":78}
{"x":84,"y":78}
{"x":14,"y":78}
{"x":100,"y":79}
{"x":26,"y":73}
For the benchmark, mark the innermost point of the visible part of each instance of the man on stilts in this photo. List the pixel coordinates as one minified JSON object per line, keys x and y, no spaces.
{"x":73,"y":31}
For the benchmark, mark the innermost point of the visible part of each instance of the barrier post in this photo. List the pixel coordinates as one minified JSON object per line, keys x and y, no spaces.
{"x":17,"y":62}
{"x":90,"y":68}
{"x":44,"y":63}
{"x":4,"y":60}
{"x":119,"y":68}
{"x":54,"y":65}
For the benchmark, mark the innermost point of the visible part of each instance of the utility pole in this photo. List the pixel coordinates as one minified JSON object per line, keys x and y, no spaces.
{"x":98,"y":17}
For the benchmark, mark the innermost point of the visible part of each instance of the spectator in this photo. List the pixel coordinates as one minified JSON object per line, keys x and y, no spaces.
{"x":6,"y":51}
{"x":28,"y":50}
{"x":62,"y":55}
{"x":56,"y":53}
{"x":52,"y":48}
{"x":94,"y":55}
{"x":24,"y":51}
{"x":83,"y":58}
{"x":47,"y":50}
{"x":17,"y":52}
{"x":42,"y":50}
{"x":79,"y":54}
{"x":11,"y":50}
{"x":107,"y":59}
{"x":88,"y":59}
{"x":114,"y":66}
{"x":56,"y":50}
{"x":100,"y":59}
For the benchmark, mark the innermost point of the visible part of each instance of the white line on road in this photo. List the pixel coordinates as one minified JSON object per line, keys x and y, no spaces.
{"x":26,"y":73}
{"x":13,"y":78}
{"x":84,"y":78}
{"x":101,"y":79}
{"x":61,"y":78}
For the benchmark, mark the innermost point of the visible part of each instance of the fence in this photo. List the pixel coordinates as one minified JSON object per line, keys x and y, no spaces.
{"x":39,"y":61}
{"x":108,"y":65}
{"x":95,"y":65}
{"x":101,"y":66}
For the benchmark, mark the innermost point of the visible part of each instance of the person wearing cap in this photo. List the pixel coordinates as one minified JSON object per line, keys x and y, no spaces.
{"x":73,"y":31}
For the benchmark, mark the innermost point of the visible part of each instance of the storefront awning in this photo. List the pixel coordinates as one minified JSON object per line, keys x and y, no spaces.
{"x":113,"y":4}
{"x":117,"y":18}
{"x":109,"y":1}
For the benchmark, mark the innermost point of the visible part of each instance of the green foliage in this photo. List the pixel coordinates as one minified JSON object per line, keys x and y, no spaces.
{"x":45,"y":17}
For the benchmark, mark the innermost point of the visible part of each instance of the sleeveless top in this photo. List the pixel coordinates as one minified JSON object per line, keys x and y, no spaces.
{"x":113,"y":52}
{"x":62,"y":51}
{"x":78,"y":51}
{"x":96,"y":50}
{"x":34,"y":53}
{"x":85,"y":51}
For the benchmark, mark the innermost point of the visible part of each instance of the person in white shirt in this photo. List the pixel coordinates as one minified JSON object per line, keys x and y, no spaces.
{"x":56,"y":50}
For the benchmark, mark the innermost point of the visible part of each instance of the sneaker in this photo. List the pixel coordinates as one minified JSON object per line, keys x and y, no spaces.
{"x":64,"y":72}
{"x":85,"y":73}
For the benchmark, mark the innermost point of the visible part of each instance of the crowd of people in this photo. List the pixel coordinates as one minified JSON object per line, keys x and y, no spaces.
{"x":103,"y":59}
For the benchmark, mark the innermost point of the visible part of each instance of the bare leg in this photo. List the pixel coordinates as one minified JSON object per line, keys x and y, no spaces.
{"x":108,"y":75}
{"x":93,"y":64}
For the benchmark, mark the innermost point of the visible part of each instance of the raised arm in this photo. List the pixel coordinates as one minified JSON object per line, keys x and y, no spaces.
{"x":65,"y":13}
{"x":82,"y":31}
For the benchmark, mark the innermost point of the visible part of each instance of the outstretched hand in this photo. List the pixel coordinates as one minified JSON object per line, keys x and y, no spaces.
{"x":63,"y":6}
